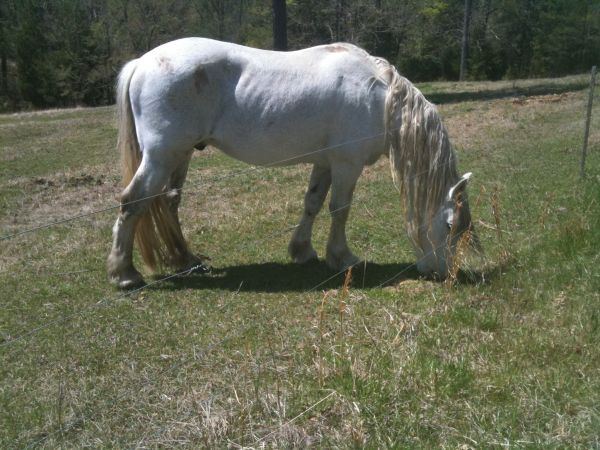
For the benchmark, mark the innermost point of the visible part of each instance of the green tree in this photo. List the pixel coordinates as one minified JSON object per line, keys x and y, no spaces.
{"x":7,"y":52}
{"x":37,"y":81}
{"x":563,"y":36}
{"x":67,"y":52}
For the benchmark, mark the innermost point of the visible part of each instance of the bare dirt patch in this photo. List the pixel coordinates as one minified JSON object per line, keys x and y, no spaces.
{"x":551,"y":98}
{"x":58,"y":197}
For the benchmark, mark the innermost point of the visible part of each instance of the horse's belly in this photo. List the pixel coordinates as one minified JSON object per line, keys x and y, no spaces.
{"x":273,"y":149}
{"x":263,"y":137}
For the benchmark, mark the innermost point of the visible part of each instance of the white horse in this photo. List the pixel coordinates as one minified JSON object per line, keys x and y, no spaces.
{"x":332,"y":106}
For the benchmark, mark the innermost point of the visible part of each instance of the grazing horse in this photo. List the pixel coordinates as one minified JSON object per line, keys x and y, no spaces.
{"x":332,"y":106}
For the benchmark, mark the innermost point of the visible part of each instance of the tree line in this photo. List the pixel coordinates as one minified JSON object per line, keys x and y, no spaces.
{"x":56,"y":53}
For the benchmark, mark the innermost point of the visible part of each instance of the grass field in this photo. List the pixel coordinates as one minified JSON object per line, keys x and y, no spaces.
{"x":266,"y":353}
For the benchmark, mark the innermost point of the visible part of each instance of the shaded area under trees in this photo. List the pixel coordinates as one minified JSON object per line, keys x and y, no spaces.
{"x":56,"y":53}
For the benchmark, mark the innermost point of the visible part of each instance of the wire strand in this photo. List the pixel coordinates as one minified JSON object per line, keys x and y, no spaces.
{"x":213,"y":180}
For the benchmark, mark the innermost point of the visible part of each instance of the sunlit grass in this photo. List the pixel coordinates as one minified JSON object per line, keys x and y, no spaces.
{"x":252,"y":354}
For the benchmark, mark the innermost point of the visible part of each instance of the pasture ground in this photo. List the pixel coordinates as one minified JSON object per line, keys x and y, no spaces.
{"x":263,"y":352}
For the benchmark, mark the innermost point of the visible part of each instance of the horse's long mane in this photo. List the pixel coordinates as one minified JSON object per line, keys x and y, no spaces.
{"x":422,"y":160}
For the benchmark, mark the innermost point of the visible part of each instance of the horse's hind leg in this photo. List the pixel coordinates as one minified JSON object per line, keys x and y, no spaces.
{"x":300,"y":248}
{"x":147,"y":182}
{"x":344,"y":178}
{"x":186,"y":260}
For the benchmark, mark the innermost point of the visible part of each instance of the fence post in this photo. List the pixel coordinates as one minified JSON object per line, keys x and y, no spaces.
{"x":587,"y":123}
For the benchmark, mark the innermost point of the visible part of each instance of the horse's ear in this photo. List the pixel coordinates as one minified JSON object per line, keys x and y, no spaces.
{"x":459,"y":186}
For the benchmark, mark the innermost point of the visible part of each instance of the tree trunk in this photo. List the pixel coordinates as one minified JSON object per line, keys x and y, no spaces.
{"x":279,"y":25}
{"x":3,"y":57}
{"x":464,"y":54}
{"x":339,"y":20}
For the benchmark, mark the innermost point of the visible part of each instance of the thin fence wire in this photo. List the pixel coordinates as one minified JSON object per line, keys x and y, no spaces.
{"x":109,"y":300}
{"x":101,"y":302}
{"x":293,"y":419}
{"x":112,"y":299}
{"x":240,"y":332}
{"x":204,"y":183}
{"x":188,"y":191}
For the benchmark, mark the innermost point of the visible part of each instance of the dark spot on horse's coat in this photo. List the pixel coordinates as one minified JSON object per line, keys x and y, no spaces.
{"x":314,"y":189}
{"x":336,"y":48}
{"x":200,"y":79}
{"x":164,"y":62}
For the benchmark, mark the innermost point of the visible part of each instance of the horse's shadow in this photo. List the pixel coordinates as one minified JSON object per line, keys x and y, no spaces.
{"x":272,"y":277}
{"x":289,"y":277}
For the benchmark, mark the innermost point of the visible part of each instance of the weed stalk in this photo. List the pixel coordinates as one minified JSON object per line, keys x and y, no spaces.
{"x":321,"y":334}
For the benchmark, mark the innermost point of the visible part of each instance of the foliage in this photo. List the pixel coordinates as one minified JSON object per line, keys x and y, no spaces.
{"x":67,"y":52}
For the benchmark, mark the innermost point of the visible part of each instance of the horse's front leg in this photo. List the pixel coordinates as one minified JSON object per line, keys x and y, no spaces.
{"x":339,"y":256}
{"x":300,"y":248}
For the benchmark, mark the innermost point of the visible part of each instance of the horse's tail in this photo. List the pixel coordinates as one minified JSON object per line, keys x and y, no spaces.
{"x":127,"y":142}
{"x":158,"y":233}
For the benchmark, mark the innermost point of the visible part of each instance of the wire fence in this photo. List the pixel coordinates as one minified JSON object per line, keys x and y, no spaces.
{"x":203,"y":183}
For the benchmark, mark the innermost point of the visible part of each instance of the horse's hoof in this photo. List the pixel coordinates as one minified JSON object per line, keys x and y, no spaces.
{"x":302,"y":252}
{"x":132,"y":279}
{"x":341,"y":263}
{"x":130,"y":284}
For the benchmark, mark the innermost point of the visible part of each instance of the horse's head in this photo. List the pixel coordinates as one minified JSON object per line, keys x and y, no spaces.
{"x":437,"y":248}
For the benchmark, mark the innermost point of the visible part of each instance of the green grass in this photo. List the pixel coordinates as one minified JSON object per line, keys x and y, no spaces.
{"x":252,"y":354}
